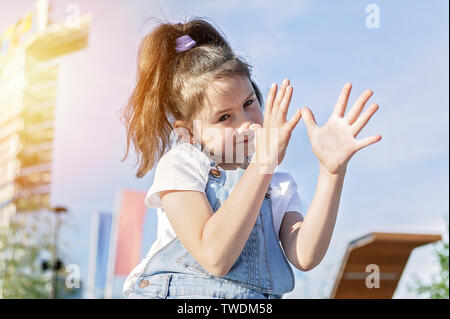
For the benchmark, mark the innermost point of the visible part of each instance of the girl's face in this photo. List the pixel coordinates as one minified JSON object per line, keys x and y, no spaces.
{"x":222,"y":127}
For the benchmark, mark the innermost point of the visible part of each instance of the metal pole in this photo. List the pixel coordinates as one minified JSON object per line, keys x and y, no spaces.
{"x":54,"y":256}
{"x":57,"y":210}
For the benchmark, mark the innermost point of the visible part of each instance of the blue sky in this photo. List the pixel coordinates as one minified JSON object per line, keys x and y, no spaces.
{"x":398,"y":184}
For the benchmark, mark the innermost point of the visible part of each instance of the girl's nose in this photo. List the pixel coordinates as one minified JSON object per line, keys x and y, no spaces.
{"x":245,"y":127}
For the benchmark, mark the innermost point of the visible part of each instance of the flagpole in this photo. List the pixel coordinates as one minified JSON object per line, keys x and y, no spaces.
{"x":113,"y":245}
{"x":93,"y":255}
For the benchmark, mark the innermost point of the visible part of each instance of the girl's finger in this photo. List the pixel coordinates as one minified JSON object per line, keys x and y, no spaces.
{"x":269,"y":101}
{"x":279,"y":96}
{"x":354,"y":112}
{"x":308,"y":118}
{"x":284,"y":106}
{"x":367,"y":141}
{"x":363,"y":119}
{"x":294,"y":120}
{"x":341,"y":103}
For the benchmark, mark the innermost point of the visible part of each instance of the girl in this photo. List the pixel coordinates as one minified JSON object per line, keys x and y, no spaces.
{"x":222,"y":210}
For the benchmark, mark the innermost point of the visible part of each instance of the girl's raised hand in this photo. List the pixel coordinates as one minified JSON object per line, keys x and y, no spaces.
{"x":272,"y":139}
{"x":334,"y":143}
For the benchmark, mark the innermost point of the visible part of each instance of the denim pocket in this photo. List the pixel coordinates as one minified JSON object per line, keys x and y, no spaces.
{"x":149,"y":287}
{"x":139,"y":295}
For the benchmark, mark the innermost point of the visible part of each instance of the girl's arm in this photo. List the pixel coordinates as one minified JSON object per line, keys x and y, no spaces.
{"x":216,"y":240}
{"x":306,"y":242}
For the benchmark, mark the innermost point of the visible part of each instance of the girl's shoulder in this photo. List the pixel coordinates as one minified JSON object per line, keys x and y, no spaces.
{"x":183,"y":162}
{"x":184,"y":156}
{"x":183,"y":167}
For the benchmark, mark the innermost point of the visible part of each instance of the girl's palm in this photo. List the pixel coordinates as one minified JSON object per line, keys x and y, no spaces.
{"x":334,"y":143}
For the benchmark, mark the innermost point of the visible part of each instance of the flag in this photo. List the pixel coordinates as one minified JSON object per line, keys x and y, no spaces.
{"x":104,"y":234}
{"x":26,"y":22}
{"x":126,"y":235}
{"x":8,"y":33}
{"x":98,"y":252}
{"x":129,"y":232}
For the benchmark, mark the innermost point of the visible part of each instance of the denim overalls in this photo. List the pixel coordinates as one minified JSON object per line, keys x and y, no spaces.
{"x":260,"y":272}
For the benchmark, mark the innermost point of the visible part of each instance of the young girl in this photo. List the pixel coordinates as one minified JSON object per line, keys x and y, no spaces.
{"x":227,"y":223}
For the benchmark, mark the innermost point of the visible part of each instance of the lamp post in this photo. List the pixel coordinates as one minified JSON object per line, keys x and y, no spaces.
{"x":56,"y":264}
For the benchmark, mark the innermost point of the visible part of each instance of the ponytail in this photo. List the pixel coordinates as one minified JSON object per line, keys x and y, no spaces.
{"x":170,"y":85}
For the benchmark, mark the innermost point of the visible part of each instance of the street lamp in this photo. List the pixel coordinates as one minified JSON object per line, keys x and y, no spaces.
{"x":56,"y":263}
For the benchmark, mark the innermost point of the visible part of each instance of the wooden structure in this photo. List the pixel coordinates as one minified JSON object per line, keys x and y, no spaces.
{"x":373,"y":264}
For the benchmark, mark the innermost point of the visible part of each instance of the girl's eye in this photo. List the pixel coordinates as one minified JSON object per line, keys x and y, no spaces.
{"x":222,"y":119}
{"x":247,"y":103}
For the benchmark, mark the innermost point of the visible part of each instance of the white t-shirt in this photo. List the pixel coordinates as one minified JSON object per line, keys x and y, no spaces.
{"x":185,"y":167}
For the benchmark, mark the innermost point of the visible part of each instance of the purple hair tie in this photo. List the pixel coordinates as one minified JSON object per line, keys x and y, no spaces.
{"x":184,"y":43}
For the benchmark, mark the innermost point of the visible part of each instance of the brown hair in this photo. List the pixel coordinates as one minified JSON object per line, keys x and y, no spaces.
{"x":170,"y":85}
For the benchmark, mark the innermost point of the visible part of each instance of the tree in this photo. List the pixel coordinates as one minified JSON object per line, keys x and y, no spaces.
{"x":438,"y":288}
{"x":20,"y":270}
{"x":24,"y":246}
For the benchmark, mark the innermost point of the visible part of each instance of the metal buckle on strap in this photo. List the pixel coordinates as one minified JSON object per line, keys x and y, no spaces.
{"x":269,"y":190}
{"x":215,"y":171}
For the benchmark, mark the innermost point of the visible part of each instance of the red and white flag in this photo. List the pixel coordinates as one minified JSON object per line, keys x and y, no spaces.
{"x":126,"y":239}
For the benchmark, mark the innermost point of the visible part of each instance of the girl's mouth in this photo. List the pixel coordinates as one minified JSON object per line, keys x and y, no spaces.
{"x":247,"y":139}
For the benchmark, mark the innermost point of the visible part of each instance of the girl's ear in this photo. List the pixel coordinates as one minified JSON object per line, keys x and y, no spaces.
{"x":183,"y":132}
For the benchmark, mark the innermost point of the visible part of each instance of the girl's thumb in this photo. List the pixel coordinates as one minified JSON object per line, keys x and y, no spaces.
{"x":308,"y":117}
{"x":254,"y":126}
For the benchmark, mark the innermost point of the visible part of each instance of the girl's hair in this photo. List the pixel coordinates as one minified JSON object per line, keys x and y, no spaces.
{"x":170,"y":85}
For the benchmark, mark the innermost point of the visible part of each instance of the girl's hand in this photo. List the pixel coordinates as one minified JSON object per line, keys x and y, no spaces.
{"x":334,"y":143}
{"x":272,"y":139}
